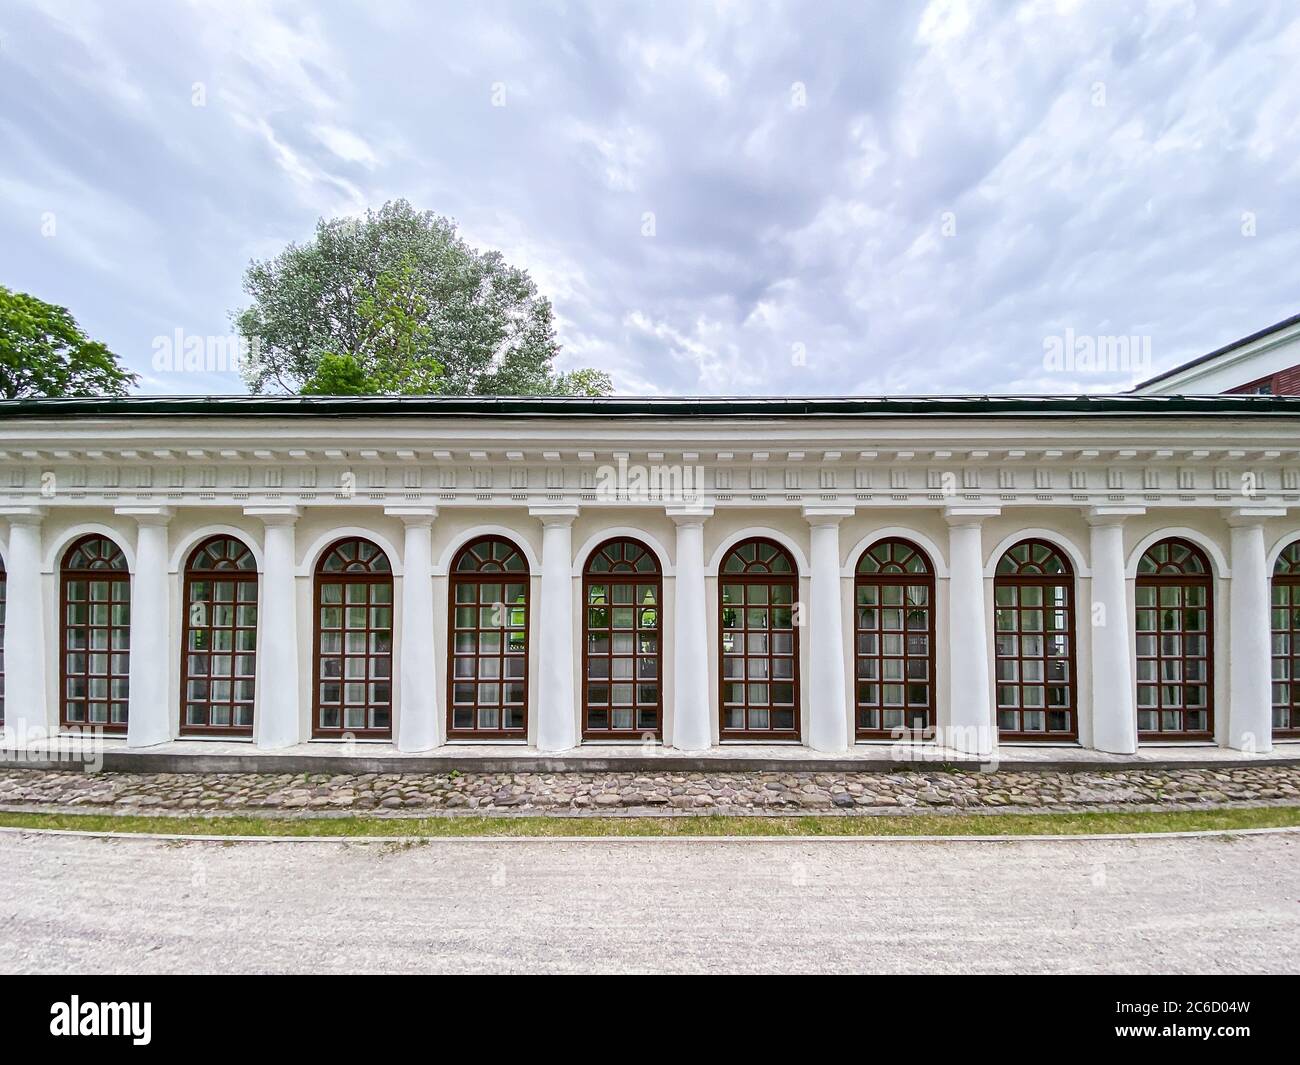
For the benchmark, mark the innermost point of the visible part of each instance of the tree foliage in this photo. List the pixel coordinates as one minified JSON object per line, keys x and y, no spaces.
{"x":339,"y":375}
{"x":586,"y":382}
{"x":43,"y":352}
{"x":396,"y":302}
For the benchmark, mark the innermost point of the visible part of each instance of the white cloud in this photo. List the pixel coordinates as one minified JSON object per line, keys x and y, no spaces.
{"x":776,"y":225}
{"x":346,"y":145}
{"x":943,"y":21}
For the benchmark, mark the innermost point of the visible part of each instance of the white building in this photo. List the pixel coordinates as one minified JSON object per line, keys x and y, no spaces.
{"x":1091,"y":570}
{"x":1266,"y":363}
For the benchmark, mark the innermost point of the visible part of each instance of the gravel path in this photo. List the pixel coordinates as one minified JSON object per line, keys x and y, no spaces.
{"x":616,"y":792}
{"x":1088,"y":905}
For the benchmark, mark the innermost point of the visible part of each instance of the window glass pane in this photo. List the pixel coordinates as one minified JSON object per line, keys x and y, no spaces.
{"x":362,"y":650}
{"x":1173,"y":667}
{"x":488,"y":617}
{"x":1033,"y":645}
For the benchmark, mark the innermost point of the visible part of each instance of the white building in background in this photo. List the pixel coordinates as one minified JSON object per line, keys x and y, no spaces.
{"x":1106,"y":571}
{"x":1266,"y":363}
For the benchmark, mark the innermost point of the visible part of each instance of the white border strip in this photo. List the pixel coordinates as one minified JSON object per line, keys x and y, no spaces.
{"x":413,"y":838}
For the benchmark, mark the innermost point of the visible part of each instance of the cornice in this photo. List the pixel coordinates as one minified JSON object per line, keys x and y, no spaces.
{"x":1245,"y":466}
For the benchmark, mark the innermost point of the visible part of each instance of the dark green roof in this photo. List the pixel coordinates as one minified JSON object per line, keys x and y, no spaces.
{"x":630,"y":407}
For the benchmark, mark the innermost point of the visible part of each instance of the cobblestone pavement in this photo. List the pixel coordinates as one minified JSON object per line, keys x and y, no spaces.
{"x":612,"y":792}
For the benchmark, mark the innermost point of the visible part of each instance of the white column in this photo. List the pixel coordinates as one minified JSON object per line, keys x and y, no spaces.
{"x":972,"y":729}
{"x":557,"y":725}
{"x":828,"y":705}
{"x":276,"y":722}
{"x":150,"y":711}
{"x":418,"y":726}
{"x":692,"y":720}
{"x":26,"y":709}
{"x":1250,"y":660}
{"x":1114,"y":711}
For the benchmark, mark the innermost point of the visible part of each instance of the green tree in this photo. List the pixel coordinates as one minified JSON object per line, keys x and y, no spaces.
{"x":396,"y":302}
{"x":43,"y":352}
{"x":339,"y":375}
{"x":583,"y":383}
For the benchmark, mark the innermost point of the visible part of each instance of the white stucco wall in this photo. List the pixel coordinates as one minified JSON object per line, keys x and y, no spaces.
{"x":1186,"y":489}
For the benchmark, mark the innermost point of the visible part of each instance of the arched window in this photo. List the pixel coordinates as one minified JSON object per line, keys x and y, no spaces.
{"x":95,"y":664}
{"x":489,"y":641}
{"x":757,"y":589}
{"x":1174,"y":642}
{"x":218,"y":656}
{"x":1033,"y":643}
{"x":623,"y":592}
{"x":354,"y":641}
{"x":1286,"y":642}
{"x":893,"y":632}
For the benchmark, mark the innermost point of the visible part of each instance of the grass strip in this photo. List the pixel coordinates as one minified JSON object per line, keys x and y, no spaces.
{"x":1071,"y":824}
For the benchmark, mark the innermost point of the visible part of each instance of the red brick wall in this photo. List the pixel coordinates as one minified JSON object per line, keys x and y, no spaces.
{"x":1283,"y":383}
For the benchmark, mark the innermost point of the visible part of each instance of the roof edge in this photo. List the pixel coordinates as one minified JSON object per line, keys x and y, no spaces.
{"x":1267,"y":331}
{"x":1124,"y":404}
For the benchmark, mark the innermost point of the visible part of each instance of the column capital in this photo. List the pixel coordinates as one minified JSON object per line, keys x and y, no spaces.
{"x":554,"y":515}
{"x":1102,"y":516}
{"x":23,"y":515}
{"x":826,"y":515}
{"x":689,"y":513}
{"x":147,"y":515}
{"x":969,"y":515}
{"x":1244,"y":517}
{"x":274,"y":515}
{"x":413,"y":517}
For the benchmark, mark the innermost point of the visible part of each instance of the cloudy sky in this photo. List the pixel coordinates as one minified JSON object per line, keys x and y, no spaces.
{"x":719,"y":198}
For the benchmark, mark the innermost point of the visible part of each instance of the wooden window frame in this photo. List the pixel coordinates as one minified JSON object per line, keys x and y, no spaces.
{"x":1285,"y":662}
{"x":610,"y":579}
{"x":462,"y":578}
{"x":241,"y":578}
{"x":1046,"y":582}
{"x":1184,"y":581}
{"x":369,"y":577}
{"x":115,"y":576}
{"x":893,"y":579}
{"x":750,"y":579}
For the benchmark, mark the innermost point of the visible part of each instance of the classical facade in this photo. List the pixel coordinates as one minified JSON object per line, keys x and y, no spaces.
{"x":1101,"y":571}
